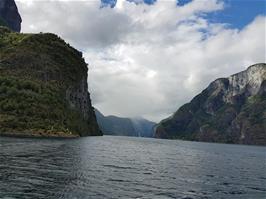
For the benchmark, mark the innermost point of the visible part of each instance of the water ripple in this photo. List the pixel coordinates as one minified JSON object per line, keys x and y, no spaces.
{"x":130,"y":168}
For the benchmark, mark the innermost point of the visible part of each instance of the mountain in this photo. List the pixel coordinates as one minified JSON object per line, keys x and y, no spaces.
{"x":230,"y":110}
{"x":43,"y":87}
{"x":112,"y":125}
{"x":9,"y":15}
{"x":143,"y":127}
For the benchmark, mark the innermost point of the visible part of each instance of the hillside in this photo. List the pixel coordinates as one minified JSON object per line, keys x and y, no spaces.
{"x":43,"y":87}
{"x":230,"y":110}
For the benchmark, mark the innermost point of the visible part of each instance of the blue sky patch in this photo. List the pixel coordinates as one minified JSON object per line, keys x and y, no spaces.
{"x":183,"y":2}
{"x":149,"y":2}
{"x":110,"y":3}
{"x":237,"y":13}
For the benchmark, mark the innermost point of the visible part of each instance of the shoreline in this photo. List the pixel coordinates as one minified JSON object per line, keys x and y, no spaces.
{"x":39,"y":136}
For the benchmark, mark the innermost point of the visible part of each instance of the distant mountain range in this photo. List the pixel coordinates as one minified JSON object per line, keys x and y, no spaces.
{"x":229,"y":110}
{"x":112,"y":125}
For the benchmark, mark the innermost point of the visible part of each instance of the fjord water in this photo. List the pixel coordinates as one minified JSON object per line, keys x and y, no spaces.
{"x":124,"y":167}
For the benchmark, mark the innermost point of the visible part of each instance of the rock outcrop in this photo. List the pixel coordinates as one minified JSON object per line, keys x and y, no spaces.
{"x":136,"y":127}
{"x":43,"y":87}
{"x":9,"y":15}
{"x":230,"y":110}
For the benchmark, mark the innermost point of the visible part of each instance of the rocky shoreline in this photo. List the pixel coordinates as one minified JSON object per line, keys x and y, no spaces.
{"x":55,"y":135}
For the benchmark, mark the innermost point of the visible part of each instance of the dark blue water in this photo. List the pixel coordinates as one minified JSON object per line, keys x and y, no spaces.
{"x":122,"y":167}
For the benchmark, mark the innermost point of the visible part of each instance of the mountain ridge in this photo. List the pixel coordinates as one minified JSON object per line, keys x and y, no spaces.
{"x":226,"y":111}
{"x":113,"y":125}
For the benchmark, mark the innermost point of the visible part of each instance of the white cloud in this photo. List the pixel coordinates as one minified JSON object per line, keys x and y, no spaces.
{"x":148,"y":60}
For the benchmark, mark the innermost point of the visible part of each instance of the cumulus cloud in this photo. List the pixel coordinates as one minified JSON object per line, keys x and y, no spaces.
{"x":147,"y":60}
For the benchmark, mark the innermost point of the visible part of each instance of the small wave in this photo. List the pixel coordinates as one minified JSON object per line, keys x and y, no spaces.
{"x":226,"y":183}
{"x":117,"y":180}
{"x":257,"y":189}
{"x":166,"y":195}
{"x":236,"y":192}
{"x":147,"y":173}
{"x":117,"y":167}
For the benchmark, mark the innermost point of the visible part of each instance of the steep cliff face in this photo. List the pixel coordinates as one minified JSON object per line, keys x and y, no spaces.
{"x":112,"y":125}
{"x":9,"y":15}
{"x":230,"y":110}
{"x":43,"y":87}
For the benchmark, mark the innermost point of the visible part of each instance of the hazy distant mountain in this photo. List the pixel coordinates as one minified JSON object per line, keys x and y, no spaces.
{"x":112,"y":125}
{"x":230,"y":110}
{"x":143,"y":127}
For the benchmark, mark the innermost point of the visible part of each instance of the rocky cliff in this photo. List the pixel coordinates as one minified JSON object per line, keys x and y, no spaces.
{"x":230,"y":110}
{"x":137,"y":127}
{"x":43,"y":87}
{"x":9,"y":15}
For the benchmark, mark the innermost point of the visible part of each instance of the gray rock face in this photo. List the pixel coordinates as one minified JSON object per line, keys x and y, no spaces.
{"x":248,"y":81}
{"x":78,"y":98}
{"x":230,"y":110}
{"x":9,"y":13}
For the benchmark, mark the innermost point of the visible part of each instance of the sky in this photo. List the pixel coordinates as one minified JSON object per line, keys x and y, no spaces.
{"x":148,"y":58}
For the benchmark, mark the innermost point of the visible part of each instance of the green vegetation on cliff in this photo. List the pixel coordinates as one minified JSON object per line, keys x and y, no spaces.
{"x":43,"y":87}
